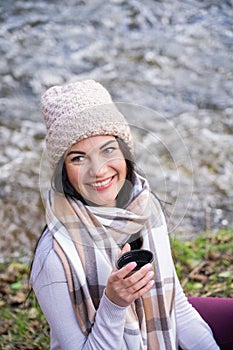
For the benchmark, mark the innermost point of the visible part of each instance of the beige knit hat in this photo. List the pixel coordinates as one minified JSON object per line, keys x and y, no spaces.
{"x":77,"y":111}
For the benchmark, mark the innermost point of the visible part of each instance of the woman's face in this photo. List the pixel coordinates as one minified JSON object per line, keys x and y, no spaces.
{"x":96,"y":168}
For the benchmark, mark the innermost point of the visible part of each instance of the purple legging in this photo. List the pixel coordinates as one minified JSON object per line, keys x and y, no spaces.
{"x":218,"y":313}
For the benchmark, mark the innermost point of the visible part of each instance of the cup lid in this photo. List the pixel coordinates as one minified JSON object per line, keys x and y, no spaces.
{"x":140,"y":256}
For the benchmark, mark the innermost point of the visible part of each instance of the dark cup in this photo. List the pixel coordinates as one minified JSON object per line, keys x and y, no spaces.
{"x":140,"y":256}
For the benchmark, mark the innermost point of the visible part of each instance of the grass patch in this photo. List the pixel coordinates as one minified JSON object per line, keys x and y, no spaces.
{"x":204,"y":267}
{"x":22,"y":324}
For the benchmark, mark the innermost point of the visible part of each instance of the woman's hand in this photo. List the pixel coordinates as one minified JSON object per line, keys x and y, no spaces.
{"x":123,"y":290}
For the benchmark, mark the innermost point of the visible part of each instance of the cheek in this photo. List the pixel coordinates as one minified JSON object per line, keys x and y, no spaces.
{"x":121,"y":167}
{"x":73,"y":176}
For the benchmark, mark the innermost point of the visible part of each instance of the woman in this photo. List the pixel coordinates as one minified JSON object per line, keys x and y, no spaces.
{"x":98,"y":208}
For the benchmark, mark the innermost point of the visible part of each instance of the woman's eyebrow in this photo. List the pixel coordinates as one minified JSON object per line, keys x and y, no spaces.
{"x":83,"y":153}
{"x":75,"y":152}
{"x":107,"y":143}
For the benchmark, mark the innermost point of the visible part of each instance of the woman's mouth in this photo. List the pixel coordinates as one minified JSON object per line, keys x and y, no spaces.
{"x":101,"y":185}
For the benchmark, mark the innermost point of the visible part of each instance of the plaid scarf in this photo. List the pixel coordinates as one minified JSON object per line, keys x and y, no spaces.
{"x":87,"y":240}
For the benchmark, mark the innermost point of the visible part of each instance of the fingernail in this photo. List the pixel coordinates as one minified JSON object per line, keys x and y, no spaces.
{"x":132,"y":264}
{"x":147,"y":266}
{"x":150,"y":274}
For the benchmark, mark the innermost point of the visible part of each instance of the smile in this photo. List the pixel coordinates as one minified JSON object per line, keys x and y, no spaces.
{"x":101,"y":184}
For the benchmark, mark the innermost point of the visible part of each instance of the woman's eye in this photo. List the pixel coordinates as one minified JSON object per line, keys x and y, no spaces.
{"x":78,"y":159}
{"x":109,"y":150}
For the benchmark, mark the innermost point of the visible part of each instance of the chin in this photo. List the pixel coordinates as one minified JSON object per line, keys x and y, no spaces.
{"x":111,"y":203}
{"x":100,"y":202}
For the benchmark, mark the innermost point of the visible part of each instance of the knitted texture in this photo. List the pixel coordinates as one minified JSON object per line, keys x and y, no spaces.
{"x":77,"y":111}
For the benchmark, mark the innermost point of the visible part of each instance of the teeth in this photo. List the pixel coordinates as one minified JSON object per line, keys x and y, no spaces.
{"x":102,"y":183}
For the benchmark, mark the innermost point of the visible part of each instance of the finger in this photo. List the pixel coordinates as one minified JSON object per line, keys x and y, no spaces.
{"x":124,"y":271}
{"x":141,"y":283}
{"x":144,"y":290}
{"x":132,"y":279}
{"x":125,"y":249}
{"x":138,"y":275}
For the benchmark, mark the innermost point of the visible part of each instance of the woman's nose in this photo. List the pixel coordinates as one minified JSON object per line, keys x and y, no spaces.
{"x":98,"y":167}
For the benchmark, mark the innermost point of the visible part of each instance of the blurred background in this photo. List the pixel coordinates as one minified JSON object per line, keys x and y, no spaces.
{"x":169,"y":64}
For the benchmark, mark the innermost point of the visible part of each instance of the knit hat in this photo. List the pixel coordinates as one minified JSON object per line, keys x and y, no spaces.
{"x":77,"y":111}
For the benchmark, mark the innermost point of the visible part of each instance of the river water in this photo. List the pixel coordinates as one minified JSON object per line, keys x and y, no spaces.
{"x":169,"y":64}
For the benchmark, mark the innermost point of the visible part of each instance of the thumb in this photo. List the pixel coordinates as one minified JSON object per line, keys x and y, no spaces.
{"x":125,"y":249}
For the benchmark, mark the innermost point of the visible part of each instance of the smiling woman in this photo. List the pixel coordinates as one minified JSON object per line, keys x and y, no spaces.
{"x":96,"y":168}
{"x":99,"y":208}
{"x":61,"y":182}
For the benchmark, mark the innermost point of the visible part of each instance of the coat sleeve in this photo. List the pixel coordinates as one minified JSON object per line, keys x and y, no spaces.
{"x":192,"y":331}
{"x":52,"y":293}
